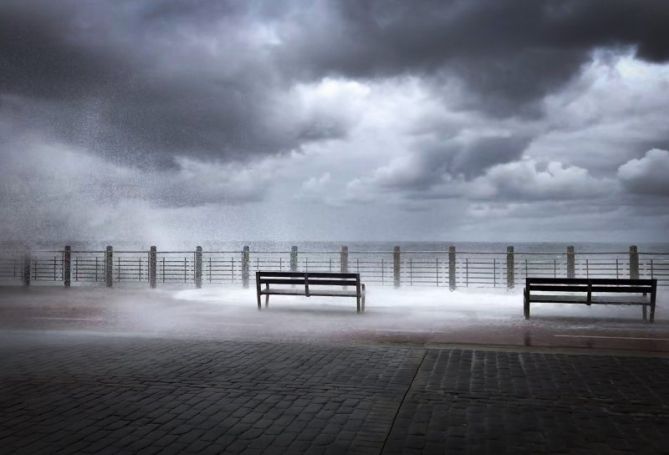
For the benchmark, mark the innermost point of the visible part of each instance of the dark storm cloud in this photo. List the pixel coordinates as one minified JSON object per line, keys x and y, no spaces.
{"x":473,"y":159}
{"x":196,"y":78}
{"x":41,"y":56}
{"x":508,"y":53}
{"x":129,"y":79}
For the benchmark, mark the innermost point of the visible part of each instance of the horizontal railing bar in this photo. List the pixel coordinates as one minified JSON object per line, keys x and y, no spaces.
{"x":251,"y":252}
{"x":301,"y":252}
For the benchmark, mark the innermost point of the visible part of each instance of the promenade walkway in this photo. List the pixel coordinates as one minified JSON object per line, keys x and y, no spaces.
{"x":83,"y":393}
{"x":84,"y":388}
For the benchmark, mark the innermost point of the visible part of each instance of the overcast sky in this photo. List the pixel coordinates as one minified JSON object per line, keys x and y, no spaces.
{"x":334,"y":120}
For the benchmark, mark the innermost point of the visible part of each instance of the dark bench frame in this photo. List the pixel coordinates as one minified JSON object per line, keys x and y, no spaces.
{"x":590,"y":291}
{"x":307,"y":280}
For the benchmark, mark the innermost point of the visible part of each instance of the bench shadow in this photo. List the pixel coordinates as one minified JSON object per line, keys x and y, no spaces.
{"x":627,"y":320}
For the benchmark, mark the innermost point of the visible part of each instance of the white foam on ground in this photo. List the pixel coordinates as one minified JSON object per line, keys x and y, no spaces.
{"x":463,"y":303}
{"x":231,"y":311}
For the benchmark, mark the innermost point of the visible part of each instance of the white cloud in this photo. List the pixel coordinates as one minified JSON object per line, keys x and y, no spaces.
{"x":529,"y":180}
{"x":647,"y":175}
{"x":316,"y":184}
{"x":403,"y":171}
{"x":614,"y":110}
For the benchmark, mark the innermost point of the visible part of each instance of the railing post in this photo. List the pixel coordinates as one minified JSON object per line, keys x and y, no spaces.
{"x":153,"y":263}
{"x":27,"y":259}
{"x":510,"y":268}
{"x":451,"y":268}
{"x":396,"y":266}
{"x":494,"y":272}
{"x":67,"y":266}
{"x":198,"y":267}
{"x":466,"y":272}
{"x":343,"y":260}
{"x":245,"y":266}
{"x":571,"y":262}
{"x":109,"y":266}
{"x":293,"y":259}
{"x":634,"y":262}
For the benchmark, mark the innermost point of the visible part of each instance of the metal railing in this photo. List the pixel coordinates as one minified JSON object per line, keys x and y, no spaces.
{"x":453,"y":269}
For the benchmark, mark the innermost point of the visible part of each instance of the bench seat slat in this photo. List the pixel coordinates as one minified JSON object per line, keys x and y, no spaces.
{"x":310,"y":274}
{"x":582,"y":288}
{"x":631,"y":289}
{"x":312,"y":282}
{"x":611,"y":281}
{"x":312,"y":292}
{"x":600,"y":300}
{"x":619,"y":300}
{"x":555,"y":288}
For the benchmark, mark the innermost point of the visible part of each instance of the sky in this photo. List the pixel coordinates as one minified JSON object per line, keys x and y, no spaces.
{"x":477,"y":120}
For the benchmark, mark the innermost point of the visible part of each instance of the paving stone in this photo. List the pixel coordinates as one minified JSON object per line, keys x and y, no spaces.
{"x":96,"y":394}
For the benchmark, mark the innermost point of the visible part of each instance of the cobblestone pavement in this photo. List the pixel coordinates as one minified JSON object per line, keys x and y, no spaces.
{"x":86,"y":393}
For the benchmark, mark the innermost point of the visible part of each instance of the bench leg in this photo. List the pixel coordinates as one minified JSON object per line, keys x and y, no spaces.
{"x":357,"y":303}
{"x":363,"y":298}
{"x":259,"y":305}
{"x":652,"y":312}
{"x":644,"y":312}
{"x":266,"y":300}
{"x":653,"y":299}
{"x":526,"y":303}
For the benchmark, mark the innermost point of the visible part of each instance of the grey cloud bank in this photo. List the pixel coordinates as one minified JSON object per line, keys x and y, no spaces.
{"x":334,"y":120}
{"x":647,"y":175}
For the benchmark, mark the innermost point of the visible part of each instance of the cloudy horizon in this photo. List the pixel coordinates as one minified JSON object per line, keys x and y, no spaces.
{"x":453,"y":120}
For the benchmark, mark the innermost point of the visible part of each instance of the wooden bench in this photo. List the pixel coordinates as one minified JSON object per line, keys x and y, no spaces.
{"x":310,"y":284}
{"x":599,"y":291}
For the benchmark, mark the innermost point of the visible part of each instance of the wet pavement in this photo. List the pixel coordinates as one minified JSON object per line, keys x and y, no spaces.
{"x":417,"y":317}
{"x":65,"y":392}
{"x":131,"y":371}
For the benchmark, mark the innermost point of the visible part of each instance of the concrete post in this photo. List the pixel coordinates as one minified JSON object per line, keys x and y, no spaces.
{"x":198,"y":267}
{"x":67,"y":266}
{"x":510,"y":268}
{"x":293,"y":259}
{"x":343,"y":260}
{"x":571,"y":262}
{"x":245,"y":266}
{"x":109,"y":266}
{"x":153,"y":267}
{"x":27,"y":259}
{"x":634,"y":262}
{"x":451,"y":268}
{"x":396,"y":266}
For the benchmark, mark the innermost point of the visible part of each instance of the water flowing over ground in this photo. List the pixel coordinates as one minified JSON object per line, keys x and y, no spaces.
{"x":406,"y":315}
{"x":422,"y":370}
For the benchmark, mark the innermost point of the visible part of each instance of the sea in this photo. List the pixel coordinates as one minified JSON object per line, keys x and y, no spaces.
{"x":265,"y":246}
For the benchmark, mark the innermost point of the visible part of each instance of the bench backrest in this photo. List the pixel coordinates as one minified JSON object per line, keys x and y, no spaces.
{"x":312,"y":278}
{"x":591,"y":285}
